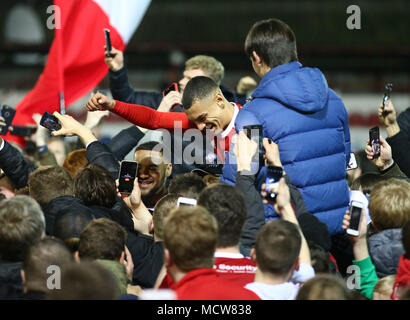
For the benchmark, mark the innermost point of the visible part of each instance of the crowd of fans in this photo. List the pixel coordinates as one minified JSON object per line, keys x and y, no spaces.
{"x":66,"y":232}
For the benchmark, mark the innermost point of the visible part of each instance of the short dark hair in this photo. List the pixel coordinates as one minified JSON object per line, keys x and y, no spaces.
{"x":95,"y":186}
{"x":150,"y":145}
{"x":154,"y":146}
{"x":273,"y":40}
{"x":406,"y":239}
{"x":198,"y":88}
{"x":319,"y":257}
{"x":48,"y":183}
{"x":188,"y":185}
{"x":86,"y":281}
{"x":44,"y":253}
{"x":162,"y":209}
{"x":227,"y":205}
{"x":22,"y":224}
{"x":277,"y":247}
{"x":367,"y":182}
{"x":102,"y":239}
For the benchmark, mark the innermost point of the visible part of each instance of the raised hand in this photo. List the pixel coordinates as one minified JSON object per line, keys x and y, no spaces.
{"x":385,"y":160}
{"x":99,"y":102}
{"x":116,"y":61}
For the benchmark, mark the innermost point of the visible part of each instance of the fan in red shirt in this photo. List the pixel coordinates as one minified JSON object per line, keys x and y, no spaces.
{"x":205,"y":108}
{"x":190,"y":238}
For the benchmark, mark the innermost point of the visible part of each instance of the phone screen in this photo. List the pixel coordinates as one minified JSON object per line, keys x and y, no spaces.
{"x":273,"y":176}
{"x":172,"y":87}
{"x":374,"y":140}
{"x":254,"y":133}
{"x":355,"y":215}
{"x":8,"y":114}
{"x":50,"y":122}
{"x":127,"y":175}
{"x":107,"y":42}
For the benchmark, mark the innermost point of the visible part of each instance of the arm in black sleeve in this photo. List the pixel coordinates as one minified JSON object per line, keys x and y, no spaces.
{"x":15,"y":166}
{"x":122,"y":91}
{"x":99,"y":153}
{"x":400,"y":146}
{"x":256,"y":212}
{"x":124,"y":141}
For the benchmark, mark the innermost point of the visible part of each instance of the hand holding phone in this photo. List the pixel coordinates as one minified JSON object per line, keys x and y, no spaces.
{"x":50,"y":122}
{"x":273,"y":175}
{"x":108,"y":43}
{"x":172,"y":87}
{"x":7,"y":113}
{"x":355,"y":213}
{"x":128,"y":173}
{"x":254,"y":133}
{"x":374,"y":141}
{"x":387,"y":91}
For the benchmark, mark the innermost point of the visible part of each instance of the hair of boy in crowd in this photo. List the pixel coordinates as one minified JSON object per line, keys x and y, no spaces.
{"x":324,"y":287}
{"x":209,"y":65}
{"x":190,"y":236}
{"x":69,"y":226}
{"x":384,"y":288}
{"x":50,"y":182}
{"x":102,"y":239}
{"x":198,"y":88}
{"x":389,"y":204}
{"x":161,"y":211}
{"x":74,"y":161}
{"x":86,"y":281}
{"x":366,"y":182}
{"x":227,"y":205}
{"x":95,"y":186}
{"x":22,"y":223}
{"x":277,"y":247}
{"x":188,"y":185}
{"x":273,"y":40}
{"x":319,"y":258}
{"x":46,"y":252}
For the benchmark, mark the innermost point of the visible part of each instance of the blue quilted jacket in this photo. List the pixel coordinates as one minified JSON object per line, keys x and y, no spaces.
{"x":309,"y":123}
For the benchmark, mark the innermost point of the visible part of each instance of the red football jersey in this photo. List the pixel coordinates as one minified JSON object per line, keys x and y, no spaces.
{"x":234,"y":267}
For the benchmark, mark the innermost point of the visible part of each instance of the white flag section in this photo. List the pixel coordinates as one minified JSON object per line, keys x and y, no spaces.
{"x":124,"y":15}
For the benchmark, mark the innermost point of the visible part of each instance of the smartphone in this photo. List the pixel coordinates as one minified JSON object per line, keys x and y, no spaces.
{"x":108,"y":43}
{"x":172,"y":87}
{"x":254,"y":133}
{"x":23,"y":131}
{"x":8,"y":114}
{"x":273,"y":175}
{"x":374,"y":139}
{"x":355,"y":212}
{"x":128,"y":173}
{"x":387,"y":90}
{"x":50,"y":122}
{"x":352,"y":162}
{"x":186,"y":202}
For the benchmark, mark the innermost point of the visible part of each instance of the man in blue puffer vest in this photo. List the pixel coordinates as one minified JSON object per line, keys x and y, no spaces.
{"x":304,"y":117}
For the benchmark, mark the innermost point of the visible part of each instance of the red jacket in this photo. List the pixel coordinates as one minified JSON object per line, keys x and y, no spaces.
{"x":204,"y":284}
{"x":235,"y":268}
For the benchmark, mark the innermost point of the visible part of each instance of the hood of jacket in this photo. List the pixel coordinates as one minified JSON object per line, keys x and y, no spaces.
{"x":283,"y":84}
{"x":385,"y":249}
{"x":10,"y":274}
{"x":119,"y":272}
{"x":60,"y":206}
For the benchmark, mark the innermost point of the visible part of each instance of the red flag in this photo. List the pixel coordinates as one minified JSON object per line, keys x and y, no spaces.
{"x":80,"y":53}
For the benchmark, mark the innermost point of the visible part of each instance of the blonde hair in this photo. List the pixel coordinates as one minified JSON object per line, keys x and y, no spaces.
{"x":209,"y":65}
{"x":389,"y":204}
{"x":385,"y":286}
